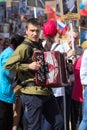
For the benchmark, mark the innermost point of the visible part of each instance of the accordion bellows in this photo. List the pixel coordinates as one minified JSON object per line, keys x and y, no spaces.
{"x":53,"y":69}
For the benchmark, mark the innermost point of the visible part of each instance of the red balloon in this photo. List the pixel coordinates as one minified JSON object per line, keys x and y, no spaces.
{"x":83,"y":12}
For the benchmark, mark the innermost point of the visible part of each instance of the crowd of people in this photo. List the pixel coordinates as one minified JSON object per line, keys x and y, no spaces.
{"x":24,"y":105}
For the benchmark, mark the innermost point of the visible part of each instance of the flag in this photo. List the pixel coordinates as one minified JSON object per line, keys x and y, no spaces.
{"x":51,"y":14}
{"x":61,"y":27}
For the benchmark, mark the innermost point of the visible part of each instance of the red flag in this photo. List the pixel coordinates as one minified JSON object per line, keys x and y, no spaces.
{"x":51,"y":14}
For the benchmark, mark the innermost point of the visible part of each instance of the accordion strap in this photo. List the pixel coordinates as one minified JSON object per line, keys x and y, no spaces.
{"x":55,"y":47}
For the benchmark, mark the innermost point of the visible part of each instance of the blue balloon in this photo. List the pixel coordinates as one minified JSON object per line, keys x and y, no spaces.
{"x":82,"y":6}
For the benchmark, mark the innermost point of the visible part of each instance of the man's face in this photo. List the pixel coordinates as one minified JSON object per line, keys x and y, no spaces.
{"x":69,"y":3}
{"x":33,"y":32}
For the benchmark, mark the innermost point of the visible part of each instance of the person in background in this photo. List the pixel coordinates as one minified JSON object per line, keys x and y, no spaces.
{"x":24,"y":9}
{"x":76,"y":51}
{"x":59,"y":92}
{"x":22,"y":25}
{"x":77,"y":96}
{"x":7,"y":96}
{"x":72,"y":55}
{"x":52,"y":43}
{"x":83,"y":77}
{"x":3,"y":43}
{"x":36,"y":100}
{"x":69,"y":6}
{"x":17,"y":113}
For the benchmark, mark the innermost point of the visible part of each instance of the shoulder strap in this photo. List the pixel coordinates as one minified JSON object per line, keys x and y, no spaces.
{"x":30,"y":47}
{"x":55,"y":47}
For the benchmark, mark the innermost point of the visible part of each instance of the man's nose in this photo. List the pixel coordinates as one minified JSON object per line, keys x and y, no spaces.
{"x":35,"y":32}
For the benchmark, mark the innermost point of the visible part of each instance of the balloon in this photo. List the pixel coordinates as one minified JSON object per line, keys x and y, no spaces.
{"x":83,"y":12}
{"x":82,"y":6}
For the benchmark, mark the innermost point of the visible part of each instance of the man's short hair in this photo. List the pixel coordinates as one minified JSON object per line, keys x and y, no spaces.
{"x":33,"y":21}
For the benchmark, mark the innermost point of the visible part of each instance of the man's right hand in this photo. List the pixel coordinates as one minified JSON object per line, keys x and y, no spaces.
{"x":35,"y":65}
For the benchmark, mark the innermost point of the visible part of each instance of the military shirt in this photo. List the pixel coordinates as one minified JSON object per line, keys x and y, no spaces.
{"x":19,"y":61}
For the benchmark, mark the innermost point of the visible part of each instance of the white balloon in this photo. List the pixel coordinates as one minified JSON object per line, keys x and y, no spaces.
{"x":84,"y":2}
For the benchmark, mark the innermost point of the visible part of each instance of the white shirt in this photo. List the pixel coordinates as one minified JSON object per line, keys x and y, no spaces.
{"x":59,"y":48}
{"x":58,"y":91}
{"x":83,"y":69}
{"x":44,"y":43}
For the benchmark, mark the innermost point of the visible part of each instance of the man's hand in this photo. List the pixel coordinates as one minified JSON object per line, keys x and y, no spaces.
{"x":71,"y":53}
{"x":35,"y":65}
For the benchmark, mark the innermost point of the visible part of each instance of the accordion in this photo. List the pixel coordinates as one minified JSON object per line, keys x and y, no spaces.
{"x":53,"y":71}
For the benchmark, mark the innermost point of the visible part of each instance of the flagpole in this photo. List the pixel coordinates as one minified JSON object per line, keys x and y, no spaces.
{"x":35,"y":12}
{"x":35,"y":9}
{"x":71,"y":28}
